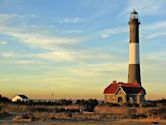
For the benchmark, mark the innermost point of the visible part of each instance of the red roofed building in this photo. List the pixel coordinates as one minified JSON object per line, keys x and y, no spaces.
{"x":124,"y":93}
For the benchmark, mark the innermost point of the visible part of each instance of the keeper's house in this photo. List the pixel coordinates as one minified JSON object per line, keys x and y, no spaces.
{"x":121,"y":93}
{"x":20,"y":98}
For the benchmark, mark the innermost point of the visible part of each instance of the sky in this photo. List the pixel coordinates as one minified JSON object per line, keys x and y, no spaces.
{"x":75,"y":48}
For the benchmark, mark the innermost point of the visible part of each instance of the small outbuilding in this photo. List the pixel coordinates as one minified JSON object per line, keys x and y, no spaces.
{"x":20,"y":98}
{"x":121,"y":93}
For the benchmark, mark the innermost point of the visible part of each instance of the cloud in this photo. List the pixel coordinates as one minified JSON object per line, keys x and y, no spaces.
{"x":38,"y":38}
{"x":155,"y":57}
{"x":3,"y":42}
{"x":37,"y":26}
{"x":80,"y":56}
{"x":14,"y":19}
{"x":39,"y":35}
{"x":56,"y":56}
{"x":27,"y":62}
{"x":44,"y":40}
{"x":106,"y":33}
{"x":98,"y":69}
{"x":6,"y":18}
{"x":154,"y":30}
{"x":7,"y":54}
{"x":160,"y":25}
{"x":71,"y":20}
{"x":74,"y":31}
{"x":155,"y":35}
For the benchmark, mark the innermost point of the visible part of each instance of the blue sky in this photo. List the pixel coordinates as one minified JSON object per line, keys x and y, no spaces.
{"x":75,"y":48}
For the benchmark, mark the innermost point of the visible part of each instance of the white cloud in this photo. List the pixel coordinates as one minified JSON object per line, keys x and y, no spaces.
{"x":56,"y":56}
{"x":74,"y":31}
{"x":43,"y":40}
{"x":113,"y":31}
{"x":26,"y":62}
{"x":43,"y":36}
{"x":7,"y":54}
{"x":37,"y":26}
{"x":154,"y":30}
{"x":81,"y":56}
{"x":38,"y":38}
{"x":154,"y":35}
{"x":3,"y":42}
{"x":160,"y":25}
{"x":71,"y":20}
{"x":14,"y":19}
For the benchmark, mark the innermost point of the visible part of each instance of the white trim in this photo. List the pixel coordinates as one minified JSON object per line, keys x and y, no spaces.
{"x":120,"y":88}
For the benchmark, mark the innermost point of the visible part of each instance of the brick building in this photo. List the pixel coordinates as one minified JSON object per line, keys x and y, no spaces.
{"x":121,"y":93}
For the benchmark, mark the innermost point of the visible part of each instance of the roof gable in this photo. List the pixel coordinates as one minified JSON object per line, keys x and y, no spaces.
{"x":111,"y":89}
{"x":120,"y":91}
{"x":23,"y":96}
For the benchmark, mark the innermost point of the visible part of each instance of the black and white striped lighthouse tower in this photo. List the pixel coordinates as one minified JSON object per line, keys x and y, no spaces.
{"x":134,"y":59}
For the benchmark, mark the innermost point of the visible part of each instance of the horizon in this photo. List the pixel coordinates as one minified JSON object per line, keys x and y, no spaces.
{"x":52,"y":98}
{"x":75,"y":49}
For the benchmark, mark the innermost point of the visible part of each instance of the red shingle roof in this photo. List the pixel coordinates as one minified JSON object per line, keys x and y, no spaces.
{"x":131,"y":85}
{"x":129,"y":88}
{"x":112,"y":88}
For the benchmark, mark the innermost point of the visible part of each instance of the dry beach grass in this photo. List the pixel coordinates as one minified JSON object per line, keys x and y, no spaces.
{"x":72,"y":113}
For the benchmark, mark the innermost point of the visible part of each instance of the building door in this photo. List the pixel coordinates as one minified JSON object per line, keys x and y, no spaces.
{"x":120,"y":100}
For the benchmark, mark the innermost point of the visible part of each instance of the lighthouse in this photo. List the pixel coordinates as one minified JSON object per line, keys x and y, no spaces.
{"x":134,"y":59}
{"x":132,"y":91}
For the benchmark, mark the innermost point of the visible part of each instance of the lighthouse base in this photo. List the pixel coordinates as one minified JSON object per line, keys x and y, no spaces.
{"x":134,"y":73}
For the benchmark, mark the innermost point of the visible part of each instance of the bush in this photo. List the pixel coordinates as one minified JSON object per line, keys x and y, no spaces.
{"x":4,"y":114}
{"x":5,"y":100}
{"x":131,"y":105}
{"x":137,"y":116}
{"x":64,"y":102}
{"x":149,"y":104}
{"x":88,"y":104}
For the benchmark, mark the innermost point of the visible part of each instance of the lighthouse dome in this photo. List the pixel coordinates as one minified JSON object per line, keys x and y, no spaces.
{"x":134,"y":14}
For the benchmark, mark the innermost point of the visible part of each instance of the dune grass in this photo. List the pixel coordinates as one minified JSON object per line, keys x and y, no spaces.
{"x":72,"y":112}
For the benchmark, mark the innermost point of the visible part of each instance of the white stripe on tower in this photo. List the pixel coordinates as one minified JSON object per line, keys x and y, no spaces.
{"x":134,"y":53}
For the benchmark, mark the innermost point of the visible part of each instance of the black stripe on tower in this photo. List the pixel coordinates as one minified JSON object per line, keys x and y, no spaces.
{"x":134,"y":73}
{"x":134,"y":30}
